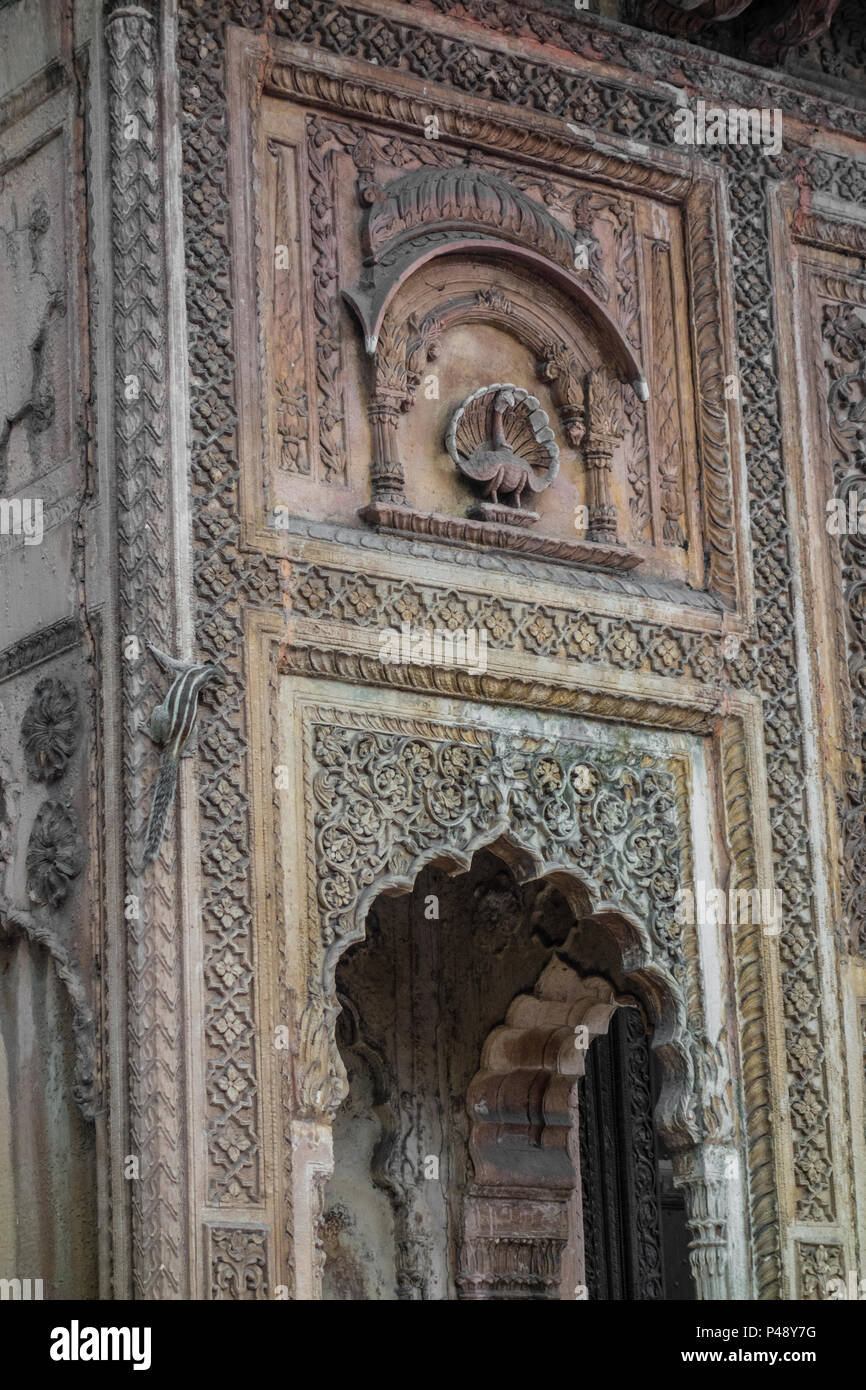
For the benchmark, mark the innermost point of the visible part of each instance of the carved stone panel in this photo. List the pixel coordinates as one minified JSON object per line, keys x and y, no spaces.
{"x":37,"y":403}
{"x":425,"y":260}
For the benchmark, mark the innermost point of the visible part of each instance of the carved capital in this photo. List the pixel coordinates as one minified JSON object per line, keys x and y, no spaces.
{"x":512,"y":1247}
{"x":704,"y":1176}
{"x":559,"y":366}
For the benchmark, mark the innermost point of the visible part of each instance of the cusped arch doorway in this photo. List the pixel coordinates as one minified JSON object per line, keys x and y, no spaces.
{"x":497,"y":1139}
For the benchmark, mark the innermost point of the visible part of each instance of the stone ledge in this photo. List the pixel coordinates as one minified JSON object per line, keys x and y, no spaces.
{"x":390,"y":518}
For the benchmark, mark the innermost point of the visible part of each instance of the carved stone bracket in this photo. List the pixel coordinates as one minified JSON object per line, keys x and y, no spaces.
{"x":522,"y":1104}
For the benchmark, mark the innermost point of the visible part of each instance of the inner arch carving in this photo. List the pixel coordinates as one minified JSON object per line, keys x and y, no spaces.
{"x":426,"y":214}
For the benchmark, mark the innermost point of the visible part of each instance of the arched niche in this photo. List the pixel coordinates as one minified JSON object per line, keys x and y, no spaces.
{"x":599,"y":825}
{"x":48,"y":1153}
{"x":429,"y":214}
{"x":460,"y":247}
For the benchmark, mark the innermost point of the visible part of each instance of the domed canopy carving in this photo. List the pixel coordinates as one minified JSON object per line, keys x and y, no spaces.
{"x":432,"y":201}
{"x":428,"y":213}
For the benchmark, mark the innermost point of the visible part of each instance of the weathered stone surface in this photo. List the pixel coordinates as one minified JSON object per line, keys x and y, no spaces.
{"x":248,"y":284}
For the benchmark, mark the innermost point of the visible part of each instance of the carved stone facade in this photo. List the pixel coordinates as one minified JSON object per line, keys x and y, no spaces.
{"x":503,"y":453}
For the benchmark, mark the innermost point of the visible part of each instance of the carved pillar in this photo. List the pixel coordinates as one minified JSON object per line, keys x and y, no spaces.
{"x":388,"y":400}
{"x":401,"y":353}
{"x":386,"y":470}
{"x":603,"y":432}
{"x":312,"y":1166}
{"x":705,"y":1176}
{"x":142,"y":468}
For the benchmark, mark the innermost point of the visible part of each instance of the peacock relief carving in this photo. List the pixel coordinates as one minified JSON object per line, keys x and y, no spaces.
{"x":501,"y":438}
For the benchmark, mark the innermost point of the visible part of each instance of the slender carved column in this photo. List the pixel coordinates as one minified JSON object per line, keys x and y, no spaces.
{"x":144,"y":544}
{"x":705,"y":1176}
{"x":386,"y":470}
{"x":603,"y":432}
{"x":389,"y":399}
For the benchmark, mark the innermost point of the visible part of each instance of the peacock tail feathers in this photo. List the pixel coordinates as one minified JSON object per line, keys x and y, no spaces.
{"x":526,"y":432}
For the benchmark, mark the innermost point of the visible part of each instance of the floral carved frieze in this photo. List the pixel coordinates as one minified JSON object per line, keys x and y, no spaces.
{"x":533,"y":629}
{"x":382,"y":802}
{"x":844,"y":339}
{"x":146,"y":523}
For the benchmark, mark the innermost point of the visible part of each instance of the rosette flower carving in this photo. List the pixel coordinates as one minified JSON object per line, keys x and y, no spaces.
{"x":55,"y":854}
{"x":50,"y":729}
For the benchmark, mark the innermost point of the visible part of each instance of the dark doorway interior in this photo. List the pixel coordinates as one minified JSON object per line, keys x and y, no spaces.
{"x":634,"y":1221}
